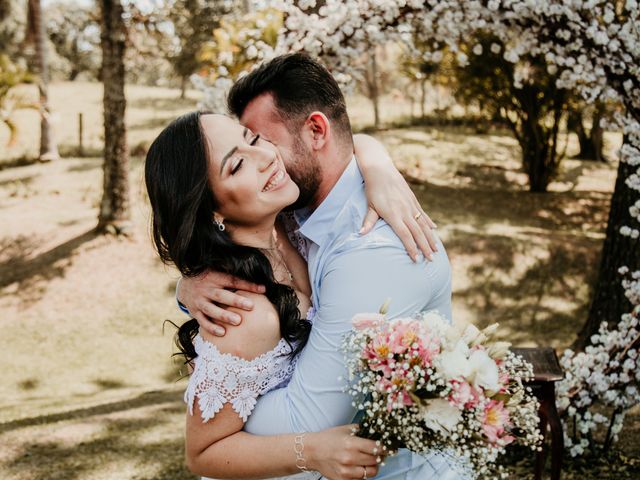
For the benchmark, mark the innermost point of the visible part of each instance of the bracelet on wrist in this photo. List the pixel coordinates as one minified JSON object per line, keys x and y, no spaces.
{"x":298,"y":448}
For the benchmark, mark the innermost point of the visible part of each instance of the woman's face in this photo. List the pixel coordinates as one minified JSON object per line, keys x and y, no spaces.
{"x":246,"y":173}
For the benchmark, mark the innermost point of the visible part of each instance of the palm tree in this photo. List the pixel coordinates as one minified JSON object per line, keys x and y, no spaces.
{"x":36,"y":34}
{"x":114,"y":216}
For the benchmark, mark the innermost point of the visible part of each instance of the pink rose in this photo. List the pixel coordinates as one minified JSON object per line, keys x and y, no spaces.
{"x":494,"y":422}
{"x":463,"y":395}
{"x":367,"y":320}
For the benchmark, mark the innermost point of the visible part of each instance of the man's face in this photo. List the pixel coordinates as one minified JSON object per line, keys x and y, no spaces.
{"x":261,"y":116}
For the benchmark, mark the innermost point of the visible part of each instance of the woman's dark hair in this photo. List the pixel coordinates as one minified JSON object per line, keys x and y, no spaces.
{"x":182,"y":228}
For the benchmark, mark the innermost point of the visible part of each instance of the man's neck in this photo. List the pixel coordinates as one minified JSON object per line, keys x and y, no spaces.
{"x":332,"y":169}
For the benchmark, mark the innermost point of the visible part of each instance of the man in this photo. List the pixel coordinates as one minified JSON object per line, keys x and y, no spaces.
{"x":296,"y":104}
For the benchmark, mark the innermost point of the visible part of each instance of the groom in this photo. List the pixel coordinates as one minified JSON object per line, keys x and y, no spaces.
{"x":296,"y":104}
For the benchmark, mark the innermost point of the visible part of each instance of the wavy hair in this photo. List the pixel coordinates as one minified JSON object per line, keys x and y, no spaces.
{"x":182,"y":203}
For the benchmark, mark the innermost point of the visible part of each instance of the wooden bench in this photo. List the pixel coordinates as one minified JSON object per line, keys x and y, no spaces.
{"x":546,"y":371}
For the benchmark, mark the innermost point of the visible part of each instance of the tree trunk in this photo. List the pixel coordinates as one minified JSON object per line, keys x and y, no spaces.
{"x":534,"y":160}
{"x":183,"y":87}
{"x":609,"y":303}
{"x":373,"y":90}
{"x":114,"y":214}
{"x":48,"y":147}
{"x":423,"y":96}
{"x":590,"y":141}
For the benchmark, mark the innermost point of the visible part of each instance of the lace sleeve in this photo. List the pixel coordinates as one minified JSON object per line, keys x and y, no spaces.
{"x":220,"y":378}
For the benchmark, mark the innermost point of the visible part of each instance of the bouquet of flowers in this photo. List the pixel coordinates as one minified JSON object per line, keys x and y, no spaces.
{"x":424,"y":385}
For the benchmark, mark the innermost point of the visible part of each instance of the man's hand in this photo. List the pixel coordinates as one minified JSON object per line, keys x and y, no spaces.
{"x":206,"y":297}
{"x":395,"y":202}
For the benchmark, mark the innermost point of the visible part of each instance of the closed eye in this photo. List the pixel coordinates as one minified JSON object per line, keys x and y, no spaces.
{"x":254,"y":140}
{"x":237,"y":166}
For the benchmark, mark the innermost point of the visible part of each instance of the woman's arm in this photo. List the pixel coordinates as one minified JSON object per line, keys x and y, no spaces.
{"x":391,"y":198}
{"x":218,"y":448}
{"x":335,"y":452}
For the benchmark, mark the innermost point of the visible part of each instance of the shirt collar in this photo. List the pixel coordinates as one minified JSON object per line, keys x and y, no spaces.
{"x":316,"y":225}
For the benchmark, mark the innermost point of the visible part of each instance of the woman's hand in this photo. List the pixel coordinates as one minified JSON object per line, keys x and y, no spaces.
{"x":390,"y":198}
{"x":340,"y":455}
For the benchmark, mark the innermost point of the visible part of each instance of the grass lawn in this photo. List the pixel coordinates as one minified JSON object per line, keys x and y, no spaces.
{"x":89,"y":387}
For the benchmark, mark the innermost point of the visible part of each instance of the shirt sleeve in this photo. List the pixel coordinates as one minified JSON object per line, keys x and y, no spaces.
{"x":356,"y":281}
{"x":181,"y":305}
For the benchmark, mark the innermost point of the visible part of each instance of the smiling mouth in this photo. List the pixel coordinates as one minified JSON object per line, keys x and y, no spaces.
{"x":274,"y":180}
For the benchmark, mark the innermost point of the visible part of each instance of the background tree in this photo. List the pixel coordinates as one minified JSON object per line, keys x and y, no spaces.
{"x":12,"y":26}
{"x":193,"y":23}
{"x":114,"y":213}
{"x":609,"y":302}
{"x":585,"y":121}
{"x":36,"y":36}
{"x":75,"y":33}
{"x":12,"y":75}
{"x":375,"y":75}
{"x":525,"y":96}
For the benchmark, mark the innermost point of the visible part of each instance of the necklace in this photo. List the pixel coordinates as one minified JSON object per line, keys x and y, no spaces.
{"x":281,"y":262}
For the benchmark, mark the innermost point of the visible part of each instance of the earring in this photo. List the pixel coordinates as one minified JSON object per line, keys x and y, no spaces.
{"x":220,"y":225}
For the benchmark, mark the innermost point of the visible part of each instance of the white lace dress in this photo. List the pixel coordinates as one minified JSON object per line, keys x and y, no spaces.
{"x":220,"y":378}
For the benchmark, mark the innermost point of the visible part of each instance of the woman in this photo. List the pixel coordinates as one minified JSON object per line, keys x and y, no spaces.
{"x":203,"y":173}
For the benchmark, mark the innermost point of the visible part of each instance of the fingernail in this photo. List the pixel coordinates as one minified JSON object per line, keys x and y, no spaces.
{"x":218,"y":331}
{"x":234,"y":320}
{"x":247,"y":305}
{"x":262,"y":288}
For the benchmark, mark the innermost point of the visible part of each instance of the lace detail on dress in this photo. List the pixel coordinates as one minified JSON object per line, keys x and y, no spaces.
{"x":220,"y":378}
{"x":295,"y":237}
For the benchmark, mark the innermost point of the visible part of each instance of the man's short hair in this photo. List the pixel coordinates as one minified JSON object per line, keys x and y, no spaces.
{"x":299,"y":85}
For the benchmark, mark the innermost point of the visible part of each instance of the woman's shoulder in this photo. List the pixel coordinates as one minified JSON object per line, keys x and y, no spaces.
{"x":258,"y":332}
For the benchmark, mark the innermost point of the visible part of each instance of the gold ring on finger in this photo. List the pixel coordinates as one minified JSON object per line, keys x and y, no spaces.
{"x":417,"y":215}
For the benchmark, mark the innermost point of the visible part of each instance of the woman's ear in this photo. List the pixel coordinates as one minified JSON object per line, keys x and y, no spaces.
{"x":318,"y":130}
{"x":218,"y":220}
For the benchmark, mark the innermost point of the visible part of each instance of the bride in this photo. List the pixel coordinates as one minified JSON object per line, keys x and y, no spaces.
{"x":216,"y":190}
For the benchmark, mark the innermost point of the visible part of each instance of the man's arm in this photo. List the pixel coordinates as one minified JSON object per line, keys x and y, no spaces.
{"x":356,"y":281}
{"x":203,"y":297}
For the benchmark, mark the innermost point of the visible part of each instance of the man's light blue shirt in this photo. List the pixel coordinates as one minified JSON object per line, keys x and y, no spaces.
{"x":349,"y":274}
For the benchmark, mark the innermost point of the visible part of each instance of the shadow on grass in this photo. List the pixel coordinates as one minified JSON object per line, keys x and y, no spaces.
{"x":24,"y":181}
{"x":142,"y":400}
{"x":531,"y":258}
{"x":32,"y":274}
{"x":152,"y":123}
{"x":549,"y":294}
{"x":18,"y":162}
{"x":481,"y":206}
{"x":162,"y":104}
{"x":119,"y":447}
{"x":73,"y":150}
{"x":109,"y":384}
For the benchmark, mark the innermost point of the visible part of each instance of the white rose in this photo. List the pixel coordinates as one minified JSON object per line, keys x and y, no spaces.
{"x":436,"y":322}
{"x":470,"y":334}
{"x":439,"y":415}
{"x":454,"y":363}
{"x":484,"y":371}
{"x":498,"y":350}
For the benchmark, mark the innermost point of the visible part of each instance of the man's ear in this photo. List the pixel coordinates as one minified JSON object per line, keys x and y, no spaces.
{"x":318,"y":130}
